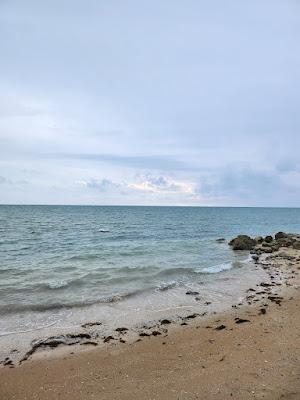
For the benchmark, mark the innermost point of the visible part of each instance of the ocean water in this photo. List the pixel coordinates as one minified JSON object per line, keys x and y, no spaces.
{"x":58,"y":258}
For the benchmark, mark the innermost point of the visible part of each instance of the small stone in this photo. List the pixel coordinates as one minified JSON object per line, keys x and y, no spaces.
{"x":165,"y":321}
{"x":191,"y":293}
{"x":121,"y":329}
{"x":220,"y":327}
{"x":156,"y":333}
{"x":241,"y":320}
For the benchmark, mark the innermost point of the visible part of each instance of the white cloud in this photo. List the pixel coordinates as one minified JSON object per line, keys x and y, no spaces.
{"x":163,"y":185}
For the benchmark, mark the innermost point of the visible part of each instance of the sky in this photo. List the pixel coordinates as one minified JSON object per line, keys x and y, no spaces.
{"x":150,"y":102}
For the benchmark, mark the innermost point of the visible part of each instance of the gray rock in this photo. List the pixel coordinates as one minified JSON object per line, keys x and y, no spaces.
{"x":242,"y":242}
{"x":296,"y":245}
{"x":259,"y":239}
{"x":280,"y":235}
{"x":268,"y":239}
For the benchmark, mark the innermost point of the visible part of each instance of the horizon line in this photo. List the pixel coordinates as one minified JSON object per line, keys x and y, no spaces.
{"x":138,"y":205}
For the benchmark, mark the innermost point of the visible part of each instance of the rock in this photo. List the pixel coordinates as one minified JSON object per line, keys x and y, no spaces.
{"x":268,"y":250}
{"x":259,"y":239}
{"x":191,"y":293}
{"x":265,"y":244}
{"x":89,"y":324}
{"x":268,"y":239}
{"x":144,"y":334}
{"x":242,"y":242}
{"x":7,"y":362}
{"x":284,"y":242}
{"x":255,"y":257}
{"x":108,"y":339}
{"x":280,"y":235}
{"x":191,"y":316}
{"x":241,"y":320}
{"x":55,"y":341}
{"x":156,"y":333}
{"x":89,"y":342}
{"x":221,"y":240}
{"x":220,"y":327}
{"x":296,"y":245}
{"x":165,"y":321}
{"x":275,"y":247}
{"x":121,"y":329}
{"x":276,"y":299}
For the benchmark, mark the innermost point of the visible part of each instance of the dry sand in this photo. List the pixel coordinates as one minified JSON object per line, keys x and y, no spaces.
{"x":254,"y":359}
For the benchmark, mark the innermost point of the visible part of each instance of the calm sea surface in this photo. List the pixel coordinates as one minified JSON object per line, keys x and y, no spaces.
{"x":53,"y":257}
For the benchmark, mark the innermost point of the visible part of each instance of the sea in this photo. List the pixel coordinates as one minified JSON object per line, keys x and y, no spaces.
{"x":63,"y":265}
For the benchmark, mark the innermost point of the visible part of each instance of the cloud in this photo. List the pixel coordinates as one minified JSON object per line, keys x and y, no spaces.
{"x":14,"y":106}
{"x":248,"y":186}
{"x":102,"y":185}
{"x":287,"y":165}
{"x":5,"y":181}
{"x":139,"y":161}
{"x":159,"y":185}
{"x":162,"y":185}
{"x":109,"y":98}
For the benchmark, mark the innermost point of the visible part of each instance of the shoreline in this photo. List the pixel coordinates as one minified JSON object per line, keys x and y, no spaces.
{"x":269,"y":313}
{"x":96,"y":325}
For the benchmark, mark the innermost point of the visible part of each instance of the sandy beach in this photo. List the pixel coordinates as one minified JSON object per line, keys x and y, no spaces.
{"x":249,"y":352}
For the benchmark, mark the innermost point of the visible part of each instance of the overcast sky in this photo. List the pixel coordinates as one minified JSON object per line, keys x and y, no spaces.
{"x":150,"y":102}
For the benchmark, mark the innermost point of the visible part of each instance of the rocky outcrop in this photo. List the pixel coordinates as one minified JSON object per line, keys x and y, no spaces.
{"x":55,"y":341}
{"x":242,"y":242}
{"x":268,"y":239}
{"x":296,"y":245}
{"x":259,"y":239}
{"x":280,"y":235}
{"x":268,"y":244}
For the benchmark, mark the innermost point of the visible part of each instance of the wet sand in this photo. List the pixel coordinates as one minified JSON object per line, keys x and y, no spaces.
{"x":249,"y":352}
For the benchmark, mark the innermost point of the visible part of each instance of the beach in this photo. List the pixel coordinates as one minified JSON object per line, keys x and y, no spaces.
{"x":250,"y":351}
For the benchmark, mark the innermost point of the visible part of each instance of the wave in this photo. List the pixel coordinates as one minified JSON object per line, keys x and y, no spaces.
{"x":57,"y":285}
{"x":164,"y":286}
{"x":217,"y":268}
{"x":83,"y":257}
{"x":8,"y":309}
{"x":193,"y":272}
{"x":176,"y":271}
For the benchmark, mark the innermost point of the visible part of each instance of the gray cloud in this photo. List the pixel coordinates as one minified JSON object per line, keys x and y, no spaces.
{"x":102,"y":185}
{"x":250,"y":187}
{"x":5,"y":181}
{"x":146,"y":162}
{"x":170,"y":93}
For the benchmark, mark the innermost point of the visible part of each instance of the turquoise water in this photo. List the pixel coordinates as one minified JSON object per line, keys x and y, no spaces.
{"x":53,"y":257}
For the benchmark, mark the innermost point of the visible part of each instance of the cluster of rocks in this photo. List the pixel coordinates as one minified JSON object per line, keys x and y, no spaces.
{"x":266,"y":244}
{"x":55,"y":341}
